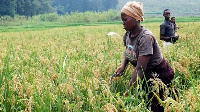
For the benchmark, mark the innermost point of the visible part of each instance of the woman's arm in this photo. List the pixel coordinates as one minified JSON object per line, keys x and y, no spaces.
{"x":120,"y":70}
{"x":139,"y":71}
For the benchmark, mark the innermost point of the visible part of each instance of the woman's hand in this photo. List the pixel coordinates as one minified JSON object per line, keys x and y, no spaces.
{"x":119,"y":71}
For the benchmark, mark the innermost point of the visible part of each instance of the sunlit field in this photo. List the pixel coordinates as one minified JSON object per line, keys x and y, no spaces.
{"x":69,"y":69}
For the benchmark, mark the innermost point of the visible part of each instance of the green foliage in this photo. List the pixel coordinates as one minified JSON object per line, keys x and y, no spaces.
{"x":91,"y":17}
{"x":24,"y":7}
{"x":30,"y":8}
{"x":52,"y":20}
{"x":49,"y":17}
{"x":7,"y":7}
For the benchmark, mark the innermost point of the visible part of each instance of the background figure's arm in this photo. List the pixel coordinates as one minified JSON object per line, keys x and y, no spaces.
{"x":172,"y":39}
{"x":162,"y":37}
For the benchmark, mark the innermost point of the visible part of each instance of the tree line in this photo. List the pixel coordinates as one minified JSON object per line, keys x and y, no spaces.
{"x":30,"y":8}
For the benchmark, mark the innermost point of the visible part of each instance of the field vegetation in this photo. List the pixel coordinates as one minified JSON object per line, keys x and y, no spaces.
{"x":68,"y":68}
{"x":89,"y":18}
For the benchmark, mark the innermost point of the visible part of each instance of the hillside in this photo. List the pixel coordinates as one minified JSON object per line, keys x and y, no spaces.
{"x":177,"y":7}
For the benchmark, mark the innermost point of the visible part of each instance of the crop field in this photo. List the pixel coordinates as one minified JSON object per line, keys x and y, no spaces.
{"x":69,"y":69}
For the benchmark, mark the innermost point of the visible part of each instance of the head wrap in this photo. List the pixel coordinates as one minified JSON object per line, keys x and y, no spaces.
{"x":134,"y":9}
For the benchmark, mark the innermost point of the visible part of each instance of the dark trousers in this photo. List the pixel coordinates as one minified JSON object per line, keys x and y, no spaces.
{"x":166,"y":74}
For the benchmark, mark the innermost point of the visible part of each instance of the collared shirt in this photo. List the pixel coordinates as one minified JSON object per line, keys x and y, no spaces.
{"x":167,"y":29}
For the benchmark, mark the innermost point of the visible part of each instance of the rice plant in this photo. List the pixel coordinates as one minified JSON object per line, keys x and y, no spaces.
{"x":69,"y":69}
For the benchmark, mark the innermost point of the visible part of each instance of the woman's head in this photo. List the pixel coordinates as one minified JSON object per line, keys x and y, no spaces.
{"x":131,"y":15}
{"x":134,"y":9}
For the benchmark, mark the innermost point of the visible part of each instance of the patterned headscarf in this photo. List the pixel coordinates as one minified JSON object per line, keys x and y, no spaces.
{"x":134,"y":9}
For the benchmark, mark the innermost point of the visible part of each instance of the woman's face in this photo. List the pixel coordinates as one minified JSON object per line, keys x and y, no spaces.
{"x":129,"y":23}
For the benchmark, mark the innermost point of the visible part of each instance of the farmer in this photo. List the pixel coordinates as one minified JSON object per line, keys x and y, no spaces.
{"x":173,"y":21}
{"x":167,"y":33}
{"x":142,"y":51}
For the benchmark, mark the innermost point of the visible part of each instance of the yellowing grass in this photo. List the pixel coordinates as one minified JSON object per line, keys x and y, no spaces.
{"x":33,"y":77}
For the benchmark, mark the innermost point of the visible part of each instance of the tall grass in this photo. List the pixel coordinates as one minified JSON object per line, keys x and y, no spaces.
{"x":73,"y":17}
{"x":33,"y":78}
{"x":52,"y":20}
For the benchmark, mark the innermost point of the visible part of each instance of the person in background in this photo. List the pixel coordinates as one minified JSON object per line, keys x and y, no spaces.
{"x":143,"y":52}
{"x":174,"y":23}
{"x":167,"y":33}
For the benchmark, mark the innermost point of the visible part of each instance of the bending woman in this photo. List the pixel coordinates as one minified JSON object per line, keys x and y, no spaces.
{"x":142,"y":50}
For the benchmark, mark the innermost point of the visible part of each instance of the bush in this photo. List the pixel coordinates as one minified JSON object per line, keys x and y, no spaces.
{"x":51,"y":17}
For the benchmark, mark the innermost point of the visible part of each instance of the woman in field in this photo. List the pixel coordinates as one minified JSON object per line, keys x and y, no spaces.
{"x":142,"y":51}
